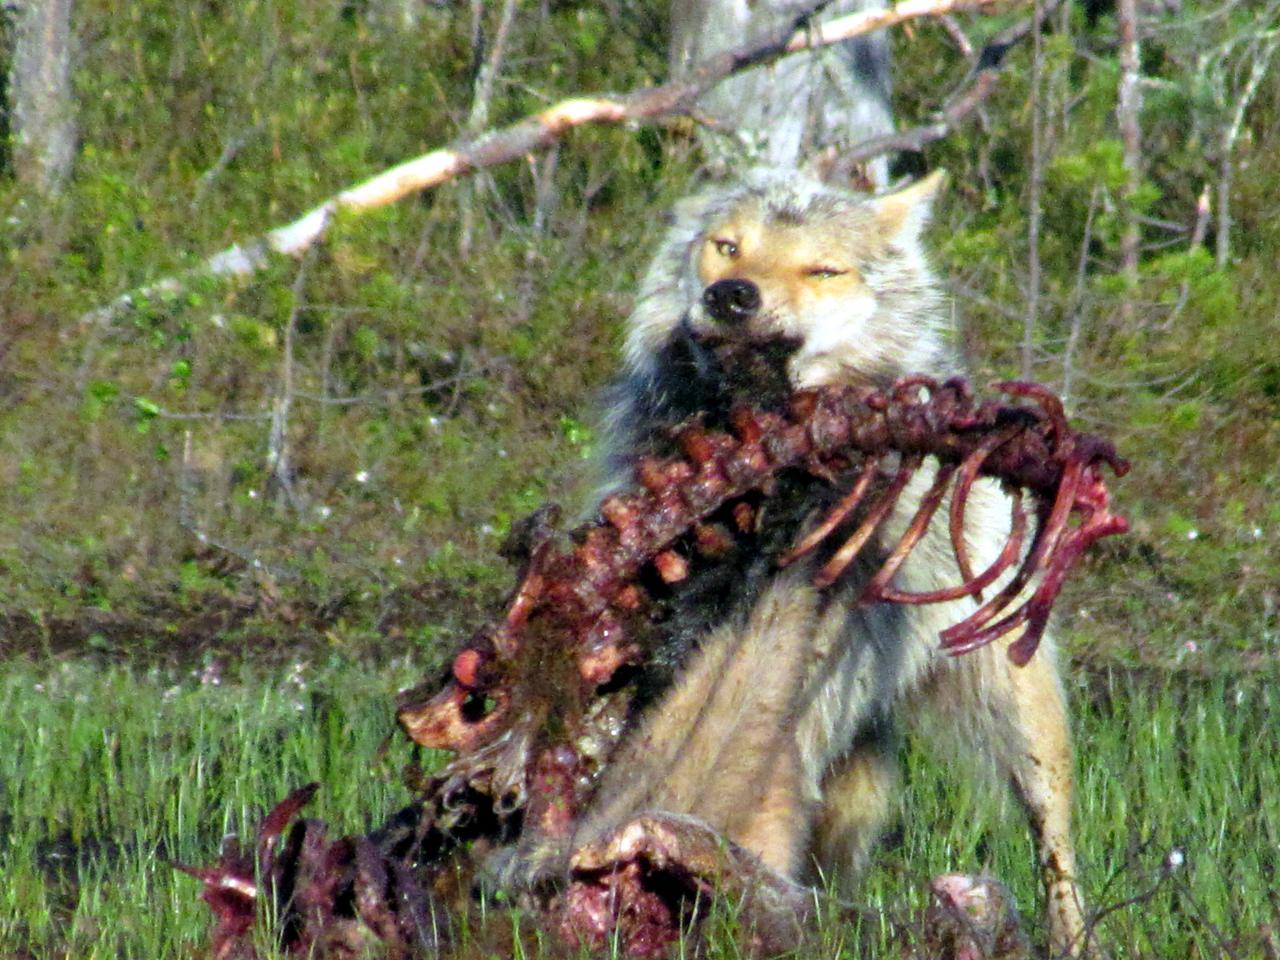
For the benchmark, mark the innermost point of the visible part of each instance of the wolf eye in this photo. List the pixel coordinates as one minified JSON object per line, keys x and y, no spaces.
{"x":726,"y":248}
{"x":824,"y":273}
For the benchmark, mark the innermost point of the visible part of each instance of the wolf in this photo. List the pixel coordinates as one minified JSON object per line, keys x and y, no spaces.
{"x":780,"y":730}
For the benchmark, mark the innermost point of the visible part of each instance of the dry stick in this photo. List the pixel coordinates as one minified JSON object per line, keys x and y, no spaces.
{"x":958,"y":37}
{"x":229,"y":152}
{"x":1034,"y":213}
{"x":1077,"y":299}
{"x":534,"y":133}
{"x":1261,"y":64}
{"x":1128,"y":107}
{"x":544,"y":178}
{"x":1198,"y":231}
{"x":965,"y":292}
{"x":487,"y":75}
{"x":915,"y":139}
{"x":486,"y":80}
{"x":1061,"y":82}
{"x":278,"y":441}
{"x":187,"y":522}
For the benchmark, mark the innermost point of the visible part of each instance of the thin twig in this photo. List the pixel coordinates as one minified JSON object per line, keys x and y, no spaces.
{"x":544,"y":194}
{"x":1262,"y":57}
{"x":486,"y":81}
{"x":984,"y":301}
{"x":958,"y":37}
{"x":229,"y":152}
{"x":1034,"y":213}
{"x":487,"y":76}
{"x":282,"y":405}
{"x":390,"y":395}
{"x":1198,"y":231}
{"x":1128,"y":110}
{"x":1077,"y":300}
{"x":187,"y":522}
{"x":917,"y":138}
{"x":218,"y":415}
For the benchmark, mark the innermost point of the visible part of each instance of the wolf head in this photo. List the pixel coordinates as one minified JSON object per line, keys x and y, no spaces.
{"x":780,"y":256}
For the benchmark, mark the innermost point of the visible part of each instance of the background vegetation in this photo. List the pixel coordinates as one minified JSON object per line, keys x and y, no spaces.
{"x":307,"y":474}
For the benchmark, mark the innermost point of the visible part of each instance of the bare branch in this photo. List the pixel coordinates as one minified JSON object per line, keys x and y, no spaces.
{"x":188,"y":522}
{"x":278,"y":454}
{"x":42,"y":106}
{"x":485,"y":82}
{"x":1231,"y":132}
{"x":1198,"y":232}
{"x":968,"y":97}
{"x":1034,"y":212}
{"x":1077,"y":300}
{"x":534,"y":133}
{"x":487,"y":76}
{"x":958,"y":37}
{"x":915,"y":139}
{"x":230,"y":151}
{"x":981,"y":299}
{"x":1128,"y":108}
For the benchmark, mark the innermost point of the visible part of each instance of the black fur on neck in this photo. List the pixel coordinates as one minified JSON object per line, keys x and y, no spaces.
{"x":702,"y":377}
{"x":697,"y":375}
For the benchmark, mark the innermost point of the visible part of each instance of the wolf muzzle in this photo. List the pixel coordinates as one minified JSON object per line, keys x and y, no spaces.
{"x":732,"y":302}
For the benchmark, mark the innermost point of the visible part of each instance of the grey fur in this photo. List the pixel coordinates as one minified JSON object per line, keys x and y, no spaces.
{"x":779,"y":732}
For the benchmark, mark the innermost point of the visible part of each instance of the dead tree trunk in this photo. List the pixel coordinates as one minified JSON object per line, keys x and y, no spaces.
{"x":41,"y":108}
{"x":796,"y":107}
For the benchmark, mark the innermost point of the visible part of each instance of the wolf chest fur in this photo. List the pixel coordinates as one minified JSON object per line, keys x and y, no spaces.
{"x":780,"y":729}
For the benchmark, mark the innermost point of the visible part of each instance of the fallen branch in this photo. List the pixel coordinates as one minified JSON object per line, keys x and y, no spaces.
{"x":527,"y":136}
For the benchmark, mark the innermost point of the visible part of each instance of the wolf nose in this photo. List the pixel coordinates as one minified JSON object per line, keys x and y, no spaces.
{"x":731,"y":301}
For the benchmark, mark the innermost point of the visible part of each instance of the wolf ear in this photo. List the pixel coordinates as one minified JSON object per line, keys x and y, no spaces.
{"x":901,"y":216}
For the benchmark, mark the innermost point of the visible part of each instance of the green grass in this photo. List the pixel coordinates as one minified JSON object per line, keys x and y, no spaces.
{"x":109,"y":773}
{"x":1169,"y":767}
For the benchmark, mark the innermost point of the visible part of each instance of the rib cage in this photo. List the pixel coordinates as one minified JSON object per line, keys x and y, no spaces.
{"x":533,"y":705}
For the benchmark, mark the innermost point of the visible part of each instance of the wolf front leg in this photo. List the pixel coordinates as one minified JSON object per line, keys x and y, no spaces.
{"x":1038,"y":761}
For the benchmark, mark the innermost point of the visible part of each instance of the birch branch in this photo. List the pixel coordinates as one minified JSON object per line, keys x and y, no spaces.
{"x":532,"y":134}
